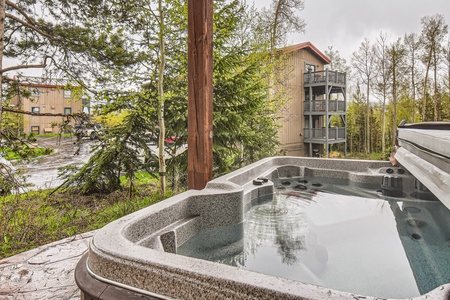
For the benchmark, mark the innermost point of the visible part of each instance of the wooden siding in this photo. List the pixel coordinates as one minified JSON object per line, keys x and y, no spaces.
{"x":292,"y":120}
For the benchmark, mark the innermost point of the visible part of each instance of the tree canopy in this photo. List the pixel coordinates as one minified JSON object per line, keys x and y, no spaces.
{"x":408,"y":78}
{"x":244,"y":119}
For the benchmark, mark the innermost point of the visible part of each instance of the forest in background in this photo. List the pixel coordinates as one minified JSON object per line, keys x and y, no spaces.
{"x":396,"y":78}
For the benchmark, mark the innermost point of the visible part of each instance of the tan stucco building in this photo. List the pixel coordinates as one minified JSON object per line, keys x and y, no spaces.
{"x":316,"y":95}
{"x":47,"y":99}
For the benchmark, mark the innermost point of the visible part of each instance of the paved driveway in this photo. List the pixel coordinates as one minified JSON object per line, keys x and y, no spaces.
{"x":42,"y":172}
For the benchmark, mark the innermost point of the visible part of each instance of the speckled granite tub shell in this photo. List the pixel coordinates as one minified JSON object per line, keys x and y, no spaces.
{"x":139,"y":250}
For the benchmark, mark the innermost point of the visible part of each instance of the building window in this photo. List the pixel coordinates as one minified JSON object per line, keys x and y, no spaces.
{"x":35,"y":129}
{"x":35,"y":109}
{"x":310,"y":68}
{"x":67,"y":110}
{"x":67,"y":93}
{"x":35,"y":92}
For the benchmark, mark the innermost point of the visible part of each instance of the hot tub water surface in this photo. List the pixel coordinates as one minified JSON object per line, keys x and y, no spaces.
{"x":338,"y":236}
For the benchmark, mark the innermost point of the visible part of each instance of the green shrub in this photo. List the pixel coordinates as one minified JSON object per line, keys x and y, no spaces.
{"x":37,"y":218}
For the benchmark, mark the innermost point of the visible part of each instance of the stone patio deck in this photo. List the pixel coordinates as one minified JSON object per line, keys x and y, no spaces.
{"x":46,"y":272}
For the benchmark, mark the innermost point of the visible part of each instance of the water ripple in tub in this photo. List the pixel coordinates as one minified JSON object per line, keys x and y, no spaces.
{"x":275,"y":212}
{"x":303,"y":196}
{"x":269,"y":210}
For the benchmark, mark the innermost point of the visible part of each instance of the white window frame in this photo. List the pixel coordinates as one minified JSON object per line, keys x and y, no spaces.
{"x":68,"y":108}
{"x":67,"y":93}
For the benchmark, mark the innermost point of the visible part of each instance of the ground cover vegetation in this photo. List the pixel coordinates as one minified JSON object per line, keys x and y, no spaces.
{"x":37,"y":218}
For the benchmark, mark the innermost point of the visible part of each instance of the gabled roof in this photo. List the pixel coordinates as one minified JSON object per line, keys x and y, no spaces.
{"x":42,"y":85}
{"x":38,"y":82}
{"x":310,"y":47}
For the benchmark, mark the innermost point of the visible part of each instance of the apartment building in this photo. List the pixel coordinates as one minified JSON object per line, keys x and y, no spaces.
{"x":45,"y":99}
{"x":314,"y":117}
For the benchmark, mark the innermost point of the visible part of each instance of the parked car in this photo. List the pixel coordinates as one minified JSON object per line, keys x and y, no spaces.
{"x":154,"y":138}
{"x":90,"y":130}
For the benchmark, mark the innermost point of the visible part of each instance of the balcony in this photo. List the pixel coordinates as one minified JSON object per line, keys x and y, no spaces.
{"x":321,"y":106}
{"x":325,"y":77}
{"x":334,"y":133}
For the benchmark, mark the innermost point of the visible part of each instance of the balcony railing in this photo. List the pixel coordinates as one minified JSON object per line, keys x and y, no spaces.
{"x":325,"y":76}
{"x":320,"y":133}
{"x":321,"y":105}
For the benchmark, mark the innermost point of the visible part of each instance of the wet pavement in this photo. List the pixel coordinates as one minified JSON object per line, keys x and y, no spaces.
{"x":46,"y":272}
{"x":42,"y":171}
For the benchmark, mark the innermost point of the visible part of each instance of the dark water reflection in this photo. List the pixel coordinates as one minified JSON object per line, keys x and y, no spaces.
{"x":356,"y":242}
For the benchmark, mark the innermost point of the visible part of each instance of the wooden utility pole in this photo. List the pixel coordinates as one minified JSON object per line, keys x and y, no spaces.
{"x":200,"y":130}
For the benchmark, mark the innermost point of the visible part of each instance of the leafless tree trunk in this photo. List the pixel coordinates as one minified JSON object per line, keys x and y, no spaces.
{"x":364,"y":63}
{"x":368,"y":119}
{"x":425,"y":86}
{"x":396,"y":54}
{"x":434,"y":30}
{"x":161,"y":123}
{"x":436,"y":97}
{"x":447,"y":62}
{"x":412,"y":41}
{"x":394,"y":61}
{"x":383,"y":85}
{"x":285,"y":20}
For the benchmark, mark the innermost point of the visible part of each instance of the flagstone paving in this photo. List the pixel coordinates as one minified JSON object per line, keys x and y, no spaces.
{"x":46,"y":272}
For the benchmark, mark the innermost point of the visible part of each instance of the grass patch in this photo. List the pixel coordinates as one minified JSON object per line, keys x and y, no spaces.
{"x":53,"y":134}
{"x":359,"y":155}
{"x":369,"y":156}
{"x":30,"y":153}
{"x":38,"y":218}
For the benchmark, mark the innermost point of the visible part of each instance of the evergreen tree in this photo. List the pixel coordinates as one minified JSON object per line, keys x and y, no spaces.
{"x":75,"y":40}
{"x":68,"y":39}
{"x":356,"y":122}
{"x":244,"y":120}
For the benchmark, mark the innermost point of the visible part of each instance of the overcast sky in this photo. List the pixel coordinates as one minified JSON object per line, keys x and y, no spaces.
{"x":344,"y":24}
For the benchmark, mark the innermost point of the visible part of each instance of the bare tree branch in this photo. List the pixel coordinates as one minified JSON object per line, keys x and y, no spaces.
{"x":22,"y":67}
{"x":76,"y":116}
{"x":21,"y":11}
{"x":31,"y":26}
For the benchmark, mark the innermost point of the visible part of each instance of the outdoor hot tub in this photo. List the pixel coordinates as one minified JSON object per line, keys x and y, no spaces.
{"x":288,"y":228}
